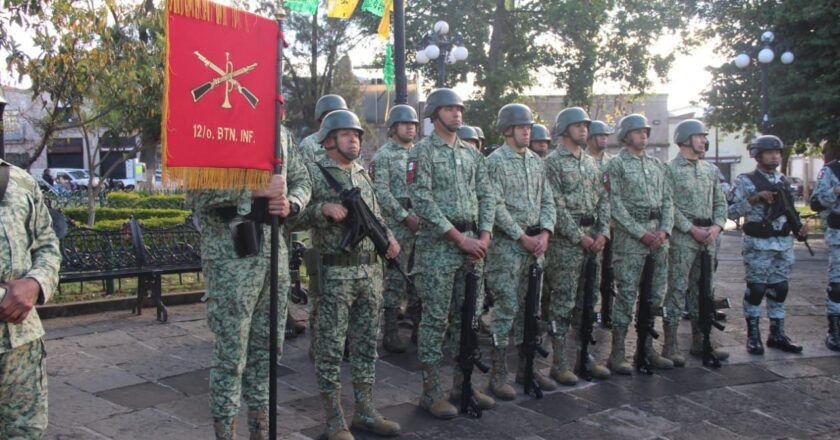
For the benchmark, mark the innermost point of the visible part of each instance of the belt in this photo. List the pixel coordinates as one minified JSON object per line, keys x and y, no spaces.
{"x":348,"y":259}
{"x":764,"y":230}
{"x":465,"y":226}
{"x":702,"y":222}
{"x":643,"y":215}
{"x":587,"y":220}
{"x":533,"y":230}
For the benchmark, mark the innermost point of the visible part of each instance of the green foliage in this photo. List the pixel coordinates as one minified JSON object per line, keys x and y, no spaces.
{"x":162,"y":222}
{"x":145,"y":200}
{"x":119,"y":199}
{"x":79,"y":215}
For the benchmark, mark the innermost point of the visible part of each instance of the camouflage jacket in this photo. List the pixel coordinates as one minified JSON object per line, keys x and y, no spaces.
{"x":522,"y":190}
{"x":638,"y":184}
{"x":216,"y":241}
{"x":28,"y":249}
{"x":388,"y":172}
{"x":740,"y":207}
{"x":603,"y":161}
{"x":449,"y":183}
{"x":578,"y":191}
{"x":824,"y":193}
{"x":696,"y":194}
{"x":310,"y":149}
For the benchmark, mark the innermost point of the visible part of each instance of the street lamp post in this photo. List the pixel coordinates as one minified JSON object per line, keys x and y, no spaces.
{"x":765,"y":57}
{"x":439,"y":45}
{"x":2,"y":125}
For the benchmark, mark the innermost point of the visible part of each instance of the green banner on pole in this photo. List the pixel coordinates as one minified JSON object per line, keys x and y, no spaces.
{"x":388,"y":70}
{"x":302,"y":6}
{"x":375,"y":7}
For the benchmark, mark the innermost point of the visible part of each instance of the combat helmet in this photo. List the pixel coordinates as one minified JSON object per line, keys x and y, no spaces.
{"x":540,"y":132}
{"x":688,"y":128}
{"x":328,"y":103}
{"x":630,"y":123}
{"x":401,"y":113}
{"x":339,"y":120}
{"x":599,"y":127}
{"x":765,"y":142}
{"x":569,"y":116}
{"x":442,"y":97}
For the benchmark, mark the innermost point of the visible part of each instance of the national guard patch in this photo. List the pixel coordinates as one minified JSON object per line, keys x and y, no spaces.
{"x":606,"y":180}
{"x":409,"y":171}
{"x":372,"y":170}
{"x":822,"y":173}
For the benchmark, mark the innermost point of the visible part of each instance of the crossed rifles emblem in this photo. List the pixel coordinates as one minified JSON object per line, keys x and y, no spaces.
{"x":227,"y":78}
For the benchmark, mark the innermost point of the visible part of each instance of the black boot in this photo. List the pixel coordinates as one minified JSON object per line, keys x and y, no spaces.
{"x":754,"y":345}
{"x":832,"y":339}
{"x":778,"y":339}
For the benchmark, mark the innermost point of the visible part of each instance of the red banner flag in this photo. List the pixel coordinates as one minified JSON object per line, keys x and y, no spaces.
{"x":218,"y":116}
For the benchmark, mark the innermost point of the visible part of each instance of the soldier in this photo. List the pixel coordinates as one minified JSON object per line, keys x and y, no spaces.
{"x":309,"y":147}
{"x":540,"y":140}
{"x":453,"y":197}
{"x":583,"y":228}
{"x":481,"y":142}
{"x":238,"y":289}
{"x":468,"y":135}
{"x":524,"y":219}
{"x":388,"y":171}
{"x":768,"y":245}
{"x":350,"y":280}
{"x":28,"y":276}
{"x":641,"y":207}
{"x":699,"y":218}
{"x":825,"y":199}
{"x":596,"y":148}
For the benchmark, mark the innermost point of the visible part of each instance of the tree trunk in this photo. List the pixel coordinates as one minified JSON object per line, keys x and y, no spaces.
{"x":495,"y":53}
{"x":148,"y":155}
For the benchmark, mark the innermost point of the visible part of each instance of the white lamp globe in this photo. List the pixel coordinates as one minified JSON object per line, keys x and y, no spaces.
{"x":767,"y":37}
{"x":766,"y":55}
{"x":442,"y":27}
{"x":742,"y":60}
{"x":432,"y":52}
{"x":460,"y":53}
{"x":787,"y":57}
{"x":421,"y":57}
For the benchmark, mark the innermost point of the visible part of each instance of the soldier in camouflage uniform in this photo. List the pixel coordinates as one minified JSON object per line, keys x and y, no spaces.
{"x":643,"y":213}
{"x":699,"y":218}
{"x":238,"y":290}
{"x":583,"y":228}
{"x":540,"y":140}
{"x":29,"y":264}
{"x":453,"y":197}
{"x":524,"y":219}
{"x":350,"y":280}
{"x":388,"y":171}
{"x":310,"y":149}
{"x":468,"y":135}
{"x":825,"y":198}
{"x":768,"y":246}
{"x":481,"y":140}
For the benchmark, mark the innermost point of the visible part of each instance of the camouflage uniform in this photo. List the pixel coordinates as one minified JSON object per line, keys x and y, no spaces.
{"x":525,"y":200}
{"x":603,"y":259}
{"x":28,"y":249}
{"x":310,"y":149}
{"x":350,"y":282}
{"x":447,"y":184}
{"x":637,"y":185}
{"x":388,"y":171}
{"x":238,"y":293}
{"x":827,"y":181}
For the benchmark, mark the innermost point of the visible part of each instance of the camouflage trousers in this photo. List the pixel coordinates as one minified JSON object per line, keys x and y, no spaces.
{"x":564,"y":274}
{"x":766,"y":267}
{"x":683,"y":279}
{"x":440,"y":279}
{"x":349,"y":307}
{"x":628,"y":273}
{"x":396,"y":290}
{"x":831,"y":307}
{"x":23,"y":392}
{"x":238,"y":315}
{"x":506,"y":275}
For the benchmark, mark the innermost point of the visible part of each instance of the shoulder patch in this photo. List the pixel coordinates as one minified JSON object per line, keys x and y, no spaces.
{"x":411,"y":167}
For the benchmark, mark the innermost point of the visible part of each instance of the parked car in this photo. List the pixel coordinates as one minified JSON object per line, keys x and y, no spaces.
{"x":77,"y":177}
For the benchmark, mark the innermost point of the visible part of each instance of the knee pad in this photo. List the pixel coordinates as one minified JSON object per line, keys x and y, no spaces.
{"x":834,"y":292}
{"x":755,"y":293}
{"x":780,"y":291}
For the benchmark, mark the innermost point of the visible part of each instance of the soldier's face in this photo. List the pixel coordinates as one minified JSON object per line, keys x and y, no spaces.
{"x":349,"y":143}
{"x":540,"y":147}
{"x":472,"y":142}
{"x":698,"y":143}
{"x":578,"y":132}
{"x":406,"y":131}
{"x":450,"y":117}
{"x":522,"y":135}
{"x":637,"y":139}
{"x":770,"y":159}
{"x":598,"y":142}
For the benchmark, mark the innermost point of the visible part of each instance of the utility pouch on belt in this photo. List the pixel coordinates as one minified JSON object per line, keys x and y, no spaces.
{"x":246,"y":235}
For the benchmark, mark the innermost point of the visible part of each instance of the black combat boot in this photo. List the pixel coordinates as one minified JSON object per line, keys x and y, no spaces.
{"x":832,"y":339}
{"x":754,"y":345}
{"x":778,"y":339}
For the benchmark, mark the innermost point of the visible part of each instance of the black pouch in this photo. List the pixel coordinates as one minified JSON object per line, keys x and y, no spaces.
{"x":833,"y":221}
{"x":246,"y":235}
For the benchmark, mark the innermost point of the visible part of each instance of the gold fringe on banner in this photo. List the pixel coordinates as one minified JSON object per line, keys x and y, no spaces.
{"x":215,"y":178}
{"x":208,"y":11}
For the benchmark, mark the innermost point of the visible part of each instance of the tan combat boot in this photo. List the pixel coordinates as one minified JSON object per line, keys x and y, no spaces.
{"x":391,"y":341}
{"x":499,"y":385}
{"x":482,"y":400}
{"x":432,"y":399}
{"x":617,"y":363}
{"x":598,"y":371}
{"x":560,"y":371}
{"x":697,"y":344}
{"x":336,"y":428}
{"x":657,"y":361}
{"x":366,"y":417}
{"x":258,"y":425}
{"x":671,"y":348}
{"x":225,"y":428}
{"x":545,"y":383}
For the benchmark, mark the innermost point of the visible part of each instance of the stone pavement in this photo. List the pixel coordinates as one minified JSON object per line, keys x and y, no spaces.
{"x":118,"y":376}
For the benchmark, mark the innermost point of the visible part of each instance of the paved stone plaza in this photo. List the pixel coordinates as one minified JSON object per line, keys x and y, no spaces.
{"x":119,"y":376}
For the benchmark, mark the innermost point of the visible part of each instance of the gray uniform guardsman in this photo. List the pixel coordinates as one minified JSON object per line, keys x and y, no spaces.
{"x":825,"y":199}
{"x":768,"y":245}
{"x":388,"y":172}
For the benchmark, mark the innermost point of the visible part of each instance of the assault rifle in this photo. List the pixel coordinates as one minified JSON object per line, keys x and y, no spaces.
{"x":587,"y":322}
{"x":644,"y":317}
{"x":707,"y":309}
{"x":531,"y":344}
{"x":469,"y":354}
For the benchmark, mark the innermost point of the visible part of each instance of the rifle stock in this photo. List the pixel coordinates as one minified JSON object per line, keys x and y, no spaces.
{"x":587,"y":323}
{"x":531,"y":344}
{"x":706,"y":307}
{"x":644,"y":317}
{"x":469,"y":354}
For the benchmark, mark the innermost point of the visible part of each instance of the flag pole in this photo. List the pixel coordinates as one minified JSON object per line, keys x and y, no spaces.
{"x":275,"y":233}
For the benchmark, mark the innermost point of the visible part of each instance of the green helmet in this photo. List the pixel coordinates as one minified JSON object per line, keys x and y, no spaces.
{"x":442,"y":97}
{"x":402,"y":113}
{"x":513,"y":114}
{"x":328,"y":103}
{"x":599,"y":127}
{"x":467,"y":133}
{"x":630,"y":123}
{"x":339,"y":120}
{"x":765,"y":142}
{"x":480,"y":133}
{"x":688,"y":128}
{"x":569,"y":116}
{"x":540,"y":132}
